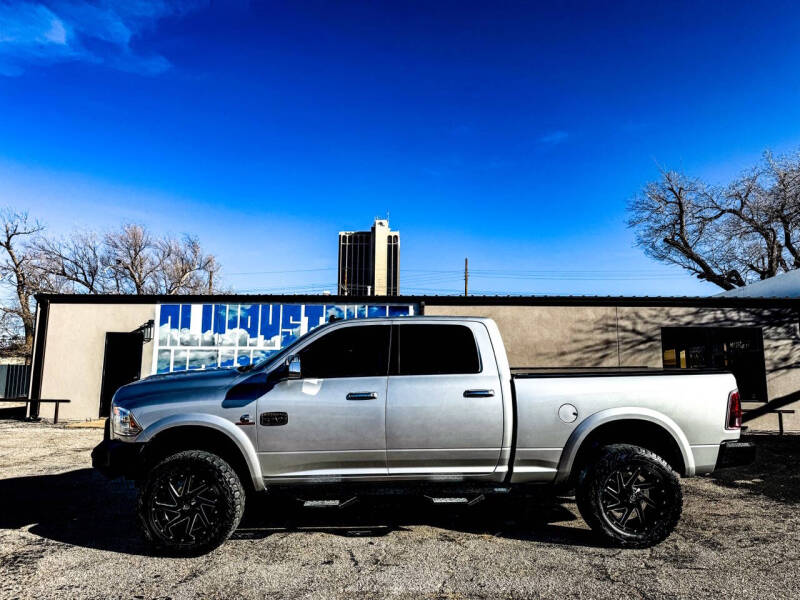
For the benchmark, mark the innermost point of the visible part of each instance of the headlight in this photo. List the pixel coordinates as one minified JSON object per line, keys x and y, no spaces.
{"x":123,"y":423}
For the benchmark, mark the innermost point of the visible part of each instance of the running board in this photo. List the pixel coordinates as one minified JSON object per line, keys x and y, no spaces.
{"x":329,"y":503}
{"x":457,"y":499}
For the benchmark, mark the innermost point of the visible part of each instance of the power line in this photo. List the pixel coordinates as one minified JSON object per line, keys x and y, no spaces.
{"x":415,"y":280}
{"x":280,"y":272}
{"x":286,"y":288}
{"x":542,"y":273}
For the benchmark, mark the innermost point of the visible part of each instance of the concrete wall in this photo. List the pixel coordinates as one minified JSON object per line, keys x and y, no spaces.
{"x":73,"y":360}
{"x":550,"y":336}
{"x":608,"y":336}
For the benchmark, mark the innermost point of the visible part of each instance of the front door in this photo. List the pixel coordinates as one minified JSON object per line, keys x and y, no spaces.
{"x":122,"y":364}
{"x":444,"y":411}
{"x":332,"y":421}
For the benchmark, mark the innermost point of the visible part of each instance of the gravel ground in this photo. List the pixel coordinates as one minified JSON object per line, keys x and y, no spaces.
{"x":67,"y":532}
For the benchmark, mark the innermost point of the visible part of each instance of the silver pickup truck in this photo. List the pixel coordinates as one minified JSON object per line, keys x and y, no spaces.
{"x":425,"y":405}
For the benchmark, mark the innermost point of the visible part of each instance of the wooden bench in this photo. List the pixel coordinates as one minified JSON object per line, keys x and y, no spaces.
{"x":778,"y":411}
{"x":57,"y":401}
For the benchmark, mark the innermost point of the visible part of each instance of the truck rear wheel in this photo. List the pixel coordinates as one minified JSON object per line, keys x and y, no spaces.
{"x":190,"y":503}
{"x":630,"y":496}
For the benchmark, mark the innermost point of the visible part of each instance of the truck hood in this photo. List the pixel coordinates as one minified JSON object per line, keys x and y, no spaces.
{"x":179,"y":385}
{"x":205,"y":374}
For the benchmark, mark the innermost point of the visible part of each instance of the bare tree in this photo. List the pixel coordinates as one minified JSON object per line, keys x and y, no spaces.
{"x":77,"y":261}
{"x":133,"y":259}
{"x":130,"y":260}
{"x":785,"y":200}
{"x":674,"y":225}
{"x":747,"y":230}
{"x":142,"y":264}
{"x":185,"y":268}
{"x":19,"y":273}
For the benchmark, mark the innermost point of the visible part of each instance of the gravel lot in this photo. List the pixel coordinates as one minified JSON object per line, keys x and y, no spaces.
{"x":67,"y":532}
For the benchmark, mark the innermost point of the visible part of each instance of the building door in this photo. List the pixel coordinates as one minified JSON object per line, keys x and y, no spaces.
{"x":122,"y":364}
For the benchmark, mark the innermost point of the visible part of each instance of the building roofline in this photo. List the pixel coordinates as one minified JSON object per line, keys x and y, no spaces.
{"x":687,"y":301}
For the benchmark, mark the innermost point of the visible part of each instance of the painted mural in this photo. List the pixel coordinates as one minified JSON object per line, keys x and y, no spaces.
{"x":202,"y":336}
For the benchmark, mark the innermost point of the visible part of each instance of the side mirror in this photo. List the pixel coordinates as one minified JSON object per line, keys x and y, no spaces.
{"x":293,"y":370}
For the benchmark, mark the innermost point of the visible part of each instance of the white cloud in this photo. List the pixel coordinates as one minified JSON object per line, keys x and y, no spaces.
{"x":57,"y":34}
{"x":554,"y":137}
{"x":28,"y":24}
{"x":54,"y":31}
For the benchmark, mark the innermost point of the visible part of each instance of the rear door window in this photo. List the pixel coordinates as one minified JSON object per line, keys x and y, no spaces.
{"x":435,"y":350}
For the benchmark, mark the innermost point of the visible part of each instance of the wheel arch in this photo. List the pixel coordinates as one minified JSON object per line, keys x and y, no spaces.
{"x":642,"y":427}
{"x":204,"y":432}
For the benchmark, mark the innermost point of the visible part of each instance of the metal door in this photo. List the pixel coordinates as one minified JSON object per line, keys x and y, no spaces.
{"x":329,"y":426}
{"x":444,"y":422}
{"x":122,"y":363}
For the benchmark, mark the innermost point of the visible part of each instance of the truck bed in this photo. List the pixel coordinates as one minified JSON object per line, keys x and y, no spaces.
{"x":555,"y":407}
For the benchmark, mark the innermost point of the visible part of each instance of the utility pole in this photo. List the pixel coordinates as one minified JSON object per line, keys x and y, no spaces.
{"x":466,"y":276}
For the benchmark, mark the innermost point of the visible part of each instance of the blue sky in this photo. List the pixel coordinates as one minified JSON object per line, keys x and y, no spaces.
{"x":510,"y":132}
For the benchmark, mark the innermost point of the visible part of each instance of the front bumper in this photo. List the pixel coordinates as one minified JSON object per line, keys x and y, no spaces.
{"x":735,"y":454}
{"x":117,"y":459}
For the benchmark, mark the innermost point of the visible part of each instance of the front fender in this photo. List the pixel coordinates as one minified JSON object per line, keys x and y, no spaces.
{"x":591,"y":423}
{"x":236,"y":435}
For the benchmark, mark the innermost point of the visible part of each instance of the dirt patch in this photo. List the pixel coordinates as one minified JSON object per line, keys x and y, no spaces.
{"x":95,"y":424}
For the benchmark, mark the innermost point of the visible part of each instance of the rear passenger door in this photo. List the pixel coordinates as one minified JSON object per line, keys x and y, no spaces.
{"x":444,"y":408}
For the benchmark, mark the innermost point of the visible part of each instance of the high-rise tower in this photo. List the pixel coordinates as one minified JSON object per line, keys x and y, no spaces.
{"x":369,"y":261}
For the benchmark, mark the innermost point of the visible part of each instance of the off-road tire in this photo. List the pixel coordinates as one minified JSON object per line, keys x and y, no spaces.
{"x":610,"y":478}
{"x":202,"y":518}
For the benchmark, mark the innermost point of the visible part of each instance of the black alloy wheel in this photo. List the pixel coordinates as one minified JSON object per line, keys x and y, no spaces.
{"x":630,"y":496}
{"x":184,"y":507}
{"x":191,"y":503}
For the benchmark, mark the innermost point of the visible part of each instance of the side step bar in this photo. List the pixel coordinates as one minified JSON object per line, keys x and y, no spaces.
{"x":336,"y":503}
{"x":457,"y":499}
{"x":330,"y":503}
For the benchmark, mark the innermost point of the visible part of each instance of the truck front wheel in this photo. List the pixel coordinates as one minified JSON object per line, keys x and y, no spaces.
{"x":630,"y":496}
{"x":191,"y":502}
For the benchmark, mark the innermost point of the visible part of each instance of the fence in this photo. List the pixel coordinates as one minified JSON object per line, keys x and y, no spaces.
{"x":14,"y":380}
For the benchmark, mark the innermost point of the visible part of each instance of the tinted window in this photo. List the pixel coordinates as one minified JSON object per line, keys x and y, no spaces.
{"x":436,"y":350}
{"x":358,"y":351}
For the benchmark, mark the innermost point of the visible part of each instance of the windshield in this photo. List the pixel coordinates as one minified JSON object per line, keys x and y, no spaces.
{"x":282,"y":354}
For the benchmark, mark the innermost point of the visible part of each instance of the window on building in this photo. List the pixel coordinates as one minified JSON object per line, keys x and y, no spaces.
{"x":436,"y":350}
{"x":736,"y":349}
{"x":348,"y":352}
{"x":203,"y":336}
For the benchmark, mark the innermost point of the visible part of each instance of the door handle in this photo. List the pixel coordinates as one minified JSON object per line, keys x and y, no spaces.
{"x":362,"y":396}
{"x":478,"y":393}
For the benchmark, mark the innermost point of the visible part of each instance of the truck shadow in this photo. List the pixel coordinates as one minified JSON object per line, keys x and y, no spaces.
{"x":515,"y":518}
{"x":82,"y":508}
{"x":77,"y":507}
{"x":773,"y":474}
